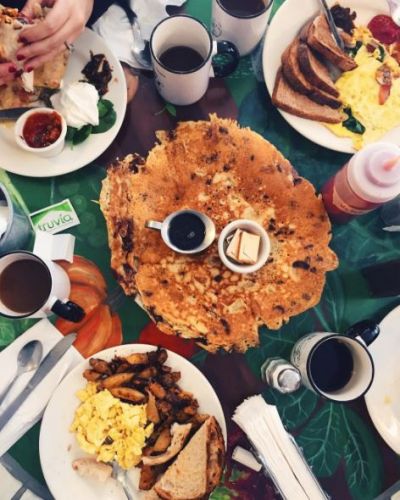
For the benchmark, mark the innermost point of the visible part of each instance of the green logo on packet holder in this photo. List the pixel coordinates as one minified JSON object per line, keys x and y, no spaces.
{"x":55,"y":218}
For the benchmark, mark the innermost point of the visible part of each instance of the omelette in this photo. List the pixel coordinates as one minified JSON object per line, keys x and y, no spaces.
{"x":110,"y":429}
{"x":228,"y":173}
{"x":361,"y":92}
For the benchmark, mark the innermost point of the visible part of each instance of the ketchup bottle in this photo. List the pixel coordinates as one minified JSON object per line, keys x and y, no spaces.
{"x":370,"y":179}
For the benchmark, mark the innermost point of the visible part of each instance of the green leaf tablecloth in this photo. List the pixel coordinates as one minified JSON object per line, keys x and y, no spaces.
{"x":339,"y":441}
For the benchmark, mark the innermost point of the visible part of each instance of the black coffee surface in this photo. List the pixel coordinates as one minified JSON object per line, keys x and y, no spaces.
{"x":243,"y":7}
{"x":331,"y":365}
{"x":24,"y":286}
{"x":186,"y":231}
{"x":181,"y":58}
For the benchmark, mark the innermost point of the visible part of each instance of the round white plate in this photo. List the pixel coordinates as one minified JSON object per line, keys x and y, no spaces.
{"x":285,"y":26}
{"x":58,"y":447}
{"x":383,"y":398}
{"x":15,"y":160}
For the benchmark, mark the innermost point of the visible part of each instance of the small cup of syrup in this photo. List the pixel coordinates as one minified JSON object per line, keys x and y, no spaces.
{"x":185,"y":231}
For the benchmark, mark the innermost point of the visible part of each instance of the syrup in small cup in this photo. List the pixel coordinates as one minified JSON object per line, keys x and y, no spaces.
{"x":252,"y":228}
{"x":41,"y":131}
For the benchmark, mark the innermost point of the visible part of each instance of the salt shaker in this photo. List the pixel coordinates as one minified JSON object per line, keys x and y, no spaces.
{"x":281,"y":375}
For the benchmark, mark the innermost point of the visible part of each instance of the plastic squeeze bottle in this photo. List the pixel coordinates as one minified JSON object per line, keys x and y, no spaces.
{"x":370,"y":179}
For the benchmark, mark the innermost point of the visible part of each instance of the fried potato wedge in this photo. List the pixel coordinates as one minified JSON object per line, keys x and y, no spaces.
{"x":139,"y":358}
{"x":128,"y":394}
{"x":163,"y":441}
{"x":158,"y":390}
{"x":148,"y":477}
{"x":116,"y":380}
{"x":91,"y":375}
{"x":100,"y":366}
{"x":152,"y":410}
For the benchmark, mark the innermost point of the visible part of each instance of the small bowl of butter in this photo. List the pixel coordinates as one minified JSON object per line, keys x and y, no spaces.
{"x":244,"y":246}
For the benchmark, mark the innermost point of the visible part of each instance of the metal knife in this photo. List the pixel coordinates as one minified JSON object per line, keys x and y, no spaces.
{"x":48,"y":363}
{"x":332,"y":25}
{"x":13,"y":113}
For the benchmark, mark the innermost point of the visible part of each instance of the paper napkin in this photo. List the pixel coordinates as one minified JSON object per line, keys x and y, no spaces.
{"x":32,"y":409}
{"x":115,"y":27}
{"x":277,"y":450}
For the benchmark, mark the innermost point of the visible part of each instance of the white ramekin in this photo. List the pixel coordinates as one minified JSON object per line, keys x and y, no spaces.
{"x":252,"y":227}
{"x":52,"y":150}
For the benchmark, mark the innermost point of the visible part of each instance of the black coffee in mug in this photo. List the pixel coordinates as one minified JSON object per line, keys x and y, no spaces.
{"x":331,"y":365}
{"x":181,"y":58}
{"x":24,"y":286}
{"x":243,"y":8}
{"x":186,"y":231}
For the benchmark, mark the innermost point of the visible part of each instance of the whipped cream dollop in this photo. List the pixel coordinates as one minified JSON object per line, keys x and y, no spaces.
{"x":77,"y":102}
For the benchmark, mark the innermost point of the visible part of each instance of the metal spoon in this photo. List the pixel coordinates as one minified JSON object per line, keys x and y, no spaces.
{"x":394,"y":6}
{"x":29,"y":358}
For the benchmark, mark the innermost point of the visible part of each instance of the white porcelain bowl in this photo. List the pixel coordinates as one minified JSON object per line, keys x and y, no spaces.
{"x":52,"y":150}
{"x":251,"y":227}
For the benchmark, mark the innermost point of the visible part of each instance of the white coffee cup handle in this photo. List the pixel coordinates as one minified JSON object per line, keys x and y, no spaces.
{"x":153,"y":224}
{"x":225,"y":59}
{"x":67,"y":310}
{"x":366,"y":331}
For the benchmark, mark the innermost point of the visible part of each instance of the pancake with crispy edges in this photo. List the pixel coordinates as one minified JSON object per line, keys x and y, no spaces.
{"x":228,"y":173}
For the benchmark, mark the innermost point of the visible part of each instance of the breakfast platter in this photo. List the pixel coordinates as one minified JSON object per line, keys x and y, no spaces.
{"x":294,"y":16}
{"x":72,"y":157}
{"x":56,"y":432}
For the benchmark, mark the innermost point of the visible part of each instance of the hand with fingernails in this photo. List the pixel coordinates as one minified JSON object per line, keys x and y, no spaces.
{"x":62,"y":25}
{"x":7,"y":72}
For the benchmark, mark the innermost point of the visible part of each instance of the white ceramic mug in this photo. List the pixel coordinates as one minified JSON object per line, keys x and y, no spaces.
{"x":187,"y":87}
{"x":56,"y":290}
{"x":244,"y":30}
{"x":356,"y":341}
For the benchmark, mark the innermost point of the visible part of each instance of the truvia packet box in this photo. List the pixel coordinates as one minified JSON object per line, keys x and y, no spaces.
{"x":55,"y":218}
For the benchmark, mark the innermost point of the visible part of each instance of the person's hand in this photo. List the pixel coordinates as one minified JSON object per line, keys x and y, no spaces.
{"x":7,"y":73}
{"x":62,"y":25}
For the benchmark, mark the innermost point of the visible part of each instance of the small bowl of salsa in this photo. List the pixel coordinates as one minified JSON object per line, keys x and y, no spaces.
{"x":41,"y":131}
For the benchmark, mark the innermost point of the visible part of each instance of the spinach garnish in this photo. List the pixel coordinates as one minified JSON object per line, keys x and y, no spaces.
{"x":353,"y":51}
{"x":107,"y":119}
{"x":352,"y":123}
{"x":382,"y":54}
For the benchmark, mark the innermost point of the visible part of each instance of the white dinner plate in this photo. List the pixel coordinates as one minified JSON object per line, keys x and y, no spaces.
{"x":58,"y":447}
{"x":15,"y":160}
{"x":285,"y":26}
{"x":383,"y":398}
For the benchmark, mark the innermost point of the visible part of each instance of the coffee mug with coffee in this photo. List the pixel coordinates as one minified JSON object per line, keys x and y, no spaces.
{"x":337,"y":367}
{"x":31,"y":287}
{"x":186,"y":231}
{"x":183,"y":55}
{"x":242,"y":22}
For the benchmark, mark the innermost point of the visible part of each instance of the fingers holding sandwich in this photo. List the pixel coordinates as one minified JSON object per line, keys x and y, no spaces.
{"x":63,"y":24}
{"x":7,"y":72}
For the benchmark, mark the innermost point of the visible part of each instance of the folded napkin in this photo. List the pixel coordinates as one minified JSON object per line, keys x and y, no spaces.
{"x":116,"y":29}
{"x":277,"y":450}
{"x":32,"y":409}
{"x":13,"y":479}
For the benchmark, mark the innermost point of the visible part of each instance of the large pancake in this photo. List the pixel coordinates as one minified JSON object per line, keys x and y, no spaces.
{"x":229,"y":173}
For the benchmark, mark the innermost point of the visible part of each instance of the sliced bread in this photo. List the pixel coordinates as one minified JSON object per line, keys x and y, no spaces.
{"x":299,"y":82}
{"x":198,"y":468}
{"x":287,"y":99}
{"x":314,"y":70}
{"x":319,"y":38}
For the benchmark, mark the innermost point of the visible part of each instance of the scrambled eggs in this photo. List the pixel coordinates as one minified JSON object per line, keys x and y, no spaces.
{"x":359,"y":91}
{"x":109,"y":428}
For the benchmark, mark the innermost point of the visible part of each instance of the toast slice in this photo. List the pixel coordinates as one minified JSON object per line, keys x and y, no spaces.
{"x":319,"y":38}
{"x":299,"y":82}
{"x":198,"y":468}
{"x":314,"y":70}
{"x":287,"y":99}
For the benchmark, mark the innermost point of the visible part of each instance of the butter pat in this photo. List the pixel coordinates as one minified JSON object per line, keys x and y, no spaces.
{"x":233,"y":248}
{"x":249,"y":248}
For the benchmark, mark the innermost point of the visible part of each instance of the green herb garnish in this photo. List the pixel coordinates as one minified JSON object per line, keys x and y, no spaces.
{"x":107,"y":119}
{"x":382,"y":54}
{"x":353,"y":51}
{"x":352,"y":123}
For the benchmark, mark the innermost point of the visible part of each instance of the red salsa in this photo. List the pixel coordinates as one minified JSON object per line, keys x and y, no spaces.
{"x":42,"y":129}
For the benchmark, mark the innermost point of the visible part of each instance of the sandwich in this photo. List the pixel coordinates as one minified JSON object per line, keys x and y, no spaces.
{"x":198,"y":468}
{"x":26,"y":88}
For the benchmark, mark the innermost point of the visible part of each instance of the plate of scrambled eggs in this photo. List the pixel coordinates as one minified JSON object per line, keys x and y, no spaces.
{"x":360,"y":90}
{"x":79,"y":415}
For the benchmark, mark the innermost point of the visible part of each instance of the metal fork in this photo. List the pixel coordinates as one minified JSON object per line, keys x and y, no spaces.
{"x":119,"y":474}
